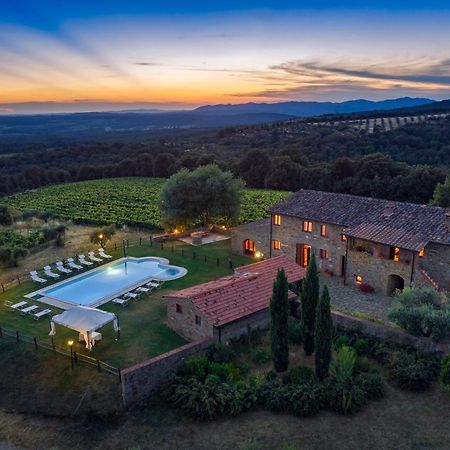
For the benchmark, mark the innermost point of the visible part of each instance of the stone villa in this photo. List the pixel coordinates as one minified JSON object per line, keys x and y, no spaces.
{"x":384,"y":244}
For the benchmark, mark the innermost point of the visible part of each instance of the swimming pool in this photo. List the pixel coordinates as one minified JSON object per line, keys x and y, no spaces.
{"x":100,"y":285}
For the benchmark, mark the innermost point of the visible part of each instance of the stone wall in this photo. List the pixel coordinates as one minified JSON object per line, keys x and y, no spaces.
{"x":290,"y":233}
{"x":258,"y":232}
{"x":387,"y":333}
{"x":238,"y":328}
{"x":436,"y":262}
{"x":139,"y":382}
{"x":184,"y":322}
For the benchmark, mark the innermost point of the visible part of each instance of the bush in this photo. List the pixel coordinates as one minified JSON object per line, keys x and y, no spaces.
{"x":413,"y":372}
{"x":361,"y":346}
{"x":5,"y":216}
{"x":271,"y":375}
{"x":444,"y":376}
{"x":372,"y":384}
{"x":294,"y":331}
{"x":219,"y":353}
{"x":304,"y":400}
{"x":342,"y":341}
{"x":347,"y":397}
{"x":102,"y":235}
{"x":260,"y":355}
{"x":299,"y":375}
{"x":274,"y":395}
{"x":366,"y":288}
{"x":343,"y":364}
{"x":226,"y":371}
{"x":197,"y":368}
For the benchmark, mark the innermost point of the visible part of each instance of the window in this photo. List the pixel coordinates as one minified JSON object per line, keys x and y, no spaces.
{"x":198,"y":320}
{"x":394,"y":253}
{"x":178,"y":308}
{"x":358,"y":279}
{"x":307,"y":226}
{"x":323,"y":254}
{"x":343,"y":237}
{"x":323,"y":230}
{"x":276,"y":244}
{"x":277,"y":219}
{"x":421,"y":252}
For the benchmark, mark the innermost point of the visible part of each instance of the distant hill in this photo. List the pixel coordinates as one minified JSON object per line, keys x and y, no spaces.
{"x":305,"y":109}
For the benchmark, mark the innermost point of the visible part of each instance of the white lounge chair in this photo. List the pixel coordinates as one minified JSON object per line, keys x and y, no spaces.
{"x":61,"y":268}
{"x":121,"y":301}
{"x":38,"y":315}
{"x":35,"y":277}
{"x":154,"y":284}
{"x":49,"y":273}
{"x":92,"y":257}
{"x":101,"y":252}
{"x":17,"y":306}
{"x":28,"y":309}
{"x":71,"y":263}
{"x":143,"y":290}
{"x":130,"y":295}
{"x":83,"y":260}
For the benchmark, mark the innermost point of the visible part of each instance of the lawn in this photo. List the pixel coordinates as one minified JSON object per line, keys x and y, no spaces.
{"x":144,"y":333}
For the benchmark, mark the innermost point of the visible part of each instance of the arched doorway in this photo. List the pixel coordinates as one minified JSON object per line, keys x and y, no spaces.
{"x":249,"y":247}
{"x":394,"y":282}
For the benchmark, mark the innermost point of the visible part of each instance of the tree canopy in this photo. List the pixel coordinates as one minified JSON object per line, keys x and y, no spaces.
{"x":441,"y":196}
{"x":204,"y":196}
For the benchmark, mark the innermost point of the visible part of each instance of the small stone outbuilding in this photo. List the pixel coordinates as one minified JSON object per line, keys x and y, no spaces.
{"x":231,"y":306}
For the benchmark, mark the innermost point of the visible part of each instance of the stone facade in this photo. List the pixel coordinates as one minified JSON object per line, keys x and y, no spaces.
{"x":258,"y":232}
{"x":181,"y":317}
{"x":143,"y":379}
{"x":436,"y":263}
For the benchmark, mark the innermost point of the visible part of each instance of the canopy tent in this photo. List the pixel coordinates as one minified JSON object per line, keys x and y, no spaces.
{"x":85,"y":320}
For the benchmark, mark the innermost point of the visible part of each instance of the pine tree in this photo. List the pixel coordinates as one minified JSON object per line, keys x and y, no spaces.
{"x":310,"y":298}
{"x":323,"y":335}
{"x":279,"y":314}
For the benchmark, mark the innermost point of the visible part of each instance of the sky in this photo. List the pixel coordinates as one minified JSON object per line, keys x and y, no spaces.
{"x":69,"y":56}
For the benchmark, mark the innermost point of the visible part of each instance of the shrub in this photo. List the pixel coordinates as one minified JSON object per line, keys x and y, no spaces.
{"x":444,"y":376}
{"x":219,"y":353}
{"x":271,"y":375}
{"x":372,"y":384}
{"x":303,"y":400}
{"x":363,"y":364}
{"x":274,"y":396}
{"x":260,"y":355}
{"x":294,"y":331}
{"x":197,"y":368}
{"x":299,"y":375}
{"x":225,"y":371}
{"x":343,"y":364}
{"x":361,"y":346}
{"x":413,"y":372}
{"x":347,"y":397}
{"x":342,"y":341}
{"x":5,"y":216}
{"x":366,"y":288}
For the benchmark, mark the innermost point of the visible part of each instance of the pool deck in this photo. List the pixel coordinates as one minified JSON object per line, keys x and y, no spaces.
{"x":41,"y":296}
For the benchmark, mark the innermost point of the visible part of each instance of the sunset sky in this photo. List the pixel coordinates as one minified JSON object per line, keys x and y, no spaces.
{"x":97,"y":55}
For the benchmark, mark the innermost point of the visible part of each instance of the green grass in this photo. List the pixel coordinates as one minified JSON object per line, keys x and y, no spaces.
{"x":143,"y":331}
{"x":132,"y":201}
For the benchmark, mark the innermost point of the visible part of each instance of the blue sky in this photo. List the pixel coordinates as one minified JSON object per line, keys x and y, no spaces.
{"x":97,"y":55}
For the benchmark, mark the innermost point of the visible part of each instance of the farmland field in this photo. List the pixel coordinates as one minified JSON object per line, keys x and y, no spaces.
{"x":131,"y":201}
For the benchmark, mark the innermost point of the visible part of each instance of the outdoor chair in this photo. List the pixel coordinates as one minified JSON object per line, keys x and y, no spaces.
{"x":38,"y":315}
{"x":130,"y":295}
{"x":49,"y":273}
{"x":61,"y":268}
{"x":16,"y":306}
{"x":28,"y":310}
{"x":121,"y":301}
{"x":83,"y":260}
{"x":35,"y":277}
{"x":92,"y":257}
{"x":71,"y":263}
{"x":101,"y":252}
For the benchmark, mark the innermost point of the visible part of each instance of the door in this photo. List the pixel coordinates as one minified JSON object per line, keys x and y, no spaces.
{"x":303,"y":254}
{"x":343,"y":266}
{"x":249,"y":247}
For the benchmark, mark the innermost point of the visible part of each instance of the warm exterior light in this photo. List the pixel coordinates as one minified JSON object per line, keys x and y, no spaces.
{"x":176,"y":231}
{"x":224,"y":227}
{"x":258,"y":254}
{"x":358,"y":278}
{"x":100,"y":236}
{"x":70,"y":343}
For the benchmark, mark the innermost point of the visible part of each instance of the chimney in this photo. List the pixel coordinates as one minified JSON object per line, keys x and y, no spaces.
{"x":388,"y":210}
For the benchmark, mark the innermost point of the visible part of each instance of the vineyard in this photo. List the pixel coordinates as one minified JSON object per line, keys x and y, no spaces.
{"x":131,"y":201}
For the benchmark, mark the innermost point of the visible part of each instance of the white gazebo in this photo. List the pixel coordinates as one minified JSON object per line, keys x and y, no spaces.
{"x":86,"y":321}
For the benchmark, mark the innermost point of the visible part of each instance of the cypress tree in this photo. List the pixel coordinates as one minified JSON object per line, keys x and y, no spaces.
{"x":323,"y":335}
{"x":310,"y":298}
{"x":279,"y":314}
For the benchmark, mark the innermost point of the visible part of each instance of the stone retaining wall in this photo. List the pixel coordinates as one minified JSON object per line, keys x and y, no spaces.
{"x":388,"y":334}
{"x":143,"y":379}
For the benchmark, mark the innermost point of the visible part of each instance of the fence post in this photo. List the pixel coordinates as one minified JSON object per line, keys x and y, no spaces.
{"x":35,"y":343}
{"x":206,"y":258}
{"x":151,"y":241}
{"x":140,"y":241}
{"x":75,"y":357}
{"x":120,"y":374}
{"x":182,"y":252}
{"x":193,"y":255}
{"x":3,"y":288}
{"x":218,"y":261}
{"x":231,"y":264}
{"x":98,"y":365}
{"x":17,"y":336}
{"x":115,"y":245}
{"x":162,"y":245}
{"x":18,"y":278}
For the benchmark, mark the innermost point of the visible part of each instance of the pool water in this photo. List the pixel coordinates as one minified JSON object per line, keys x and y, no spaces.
{"x":112,"y":280}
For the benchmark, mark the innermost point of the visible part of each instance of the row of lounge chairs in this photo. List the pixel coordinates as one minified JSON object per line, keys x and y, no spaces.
{"x":25,"y":309}
{"x":70,"y":262}
{"x":134,"y":294}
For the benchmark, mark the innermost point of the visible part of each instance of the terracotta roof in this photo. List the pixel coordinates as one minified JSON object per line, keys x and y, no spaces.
{"x":404,"y":225}
{"x":247,"y":291}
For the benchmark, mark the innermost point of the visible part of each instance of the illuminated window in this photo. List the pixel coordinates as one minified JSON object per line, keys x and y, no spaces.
{"x":396,"y":254}
{"x":307,"y":226}
{"x":421,"y":252}
{"x":323,"y":230}
{"x":276,"y":244}
{"x":358,"y":279}
{"x":178,"y":308}
{"x":277,"y":219}
{"x":198,"y":320}
{"x":323,"y":254}
{"x":343,"y":237}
